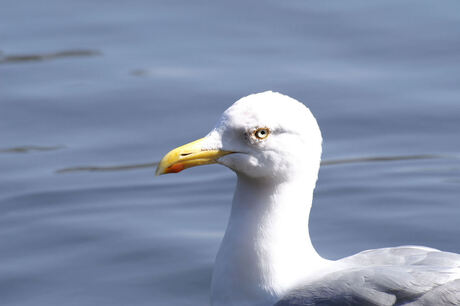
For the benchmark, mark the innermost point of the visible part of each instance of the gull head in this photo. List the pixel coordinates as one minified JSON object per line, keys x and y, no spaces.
{"x":266,"y":135}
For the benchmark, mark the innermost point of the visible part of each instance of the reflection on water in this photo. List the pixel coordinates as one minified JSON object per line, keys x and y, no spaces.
{"x":107,"y":168}
{"x":381,"y":78}
{"x":323,"y":163}
{"x":26,"y":149}
{"x":377,"y":159}
{"x":19,"y":58}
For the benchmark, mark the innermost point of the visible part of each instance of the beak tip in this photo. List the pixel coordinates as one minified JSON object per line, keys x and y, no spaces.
{"x":158,"y":171}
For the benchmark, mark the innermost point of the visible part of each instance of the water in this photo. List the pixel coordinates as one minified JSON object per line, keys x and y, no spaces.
{"x":92,"y":94}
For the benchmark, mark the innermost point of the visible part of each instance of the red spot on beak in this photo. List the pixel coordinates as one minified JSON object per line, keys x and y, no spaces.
{"x":175,"y":168}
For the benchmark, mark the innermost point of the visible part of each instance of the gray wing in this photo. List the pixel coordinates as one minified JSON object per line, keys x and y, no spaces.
{"x":391,"y":276}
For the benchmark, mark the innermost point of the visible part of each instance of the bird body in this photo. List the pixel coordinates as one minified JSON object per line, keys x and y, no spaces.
{"x":406,"y":275}
{"x":266,"y":257}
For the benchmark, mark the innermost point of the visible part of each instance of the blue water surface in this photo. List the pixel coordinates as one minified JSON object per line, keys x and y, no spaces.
{"x":93,"y":93}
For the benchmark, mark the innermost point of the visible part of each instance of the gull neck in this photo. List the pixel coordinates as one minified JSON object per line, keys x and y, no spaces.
{"x":266,"y":249}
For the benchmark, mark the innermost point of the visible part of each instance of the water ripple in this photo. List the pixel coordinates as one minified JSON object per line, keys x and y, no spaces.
{"x":21,"y":58}
{"x":323,"y":163}
{"x":30,"y":148}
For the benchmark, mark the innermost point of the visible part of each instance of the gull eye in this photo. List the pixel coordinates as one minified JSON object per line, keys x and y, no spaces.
{"x":262,"y":133}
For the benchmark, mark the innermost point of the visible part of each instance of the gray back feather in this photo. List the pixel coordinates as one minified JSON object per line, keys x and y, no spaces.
{"x":391,"y":276}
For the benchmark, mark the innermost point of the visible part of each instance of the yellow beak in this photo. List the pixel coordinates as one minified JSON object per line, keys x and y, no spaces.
{"x":187,"y":156}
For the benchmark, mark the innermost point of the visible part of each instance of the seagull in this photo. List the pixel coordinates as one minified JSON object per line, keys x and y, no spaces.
{"x":273,"y":144}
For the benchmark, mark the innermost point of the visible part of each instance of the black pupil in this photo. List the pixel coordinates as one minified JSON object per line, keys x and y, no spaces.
{"x":262,"y":132}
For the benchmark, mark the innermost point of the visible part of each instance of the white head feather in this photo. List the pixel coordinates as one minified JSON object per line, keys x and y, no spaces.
{"x":293,"y":143}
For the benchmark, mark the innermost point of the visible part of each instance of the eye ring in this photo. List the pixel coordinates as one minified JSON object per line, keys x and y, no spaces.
{"x":262,"y":133}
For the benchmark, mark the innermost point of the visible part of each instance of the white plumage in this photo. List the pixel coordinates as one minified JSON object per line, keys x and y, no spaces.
{"x":266,"y":256}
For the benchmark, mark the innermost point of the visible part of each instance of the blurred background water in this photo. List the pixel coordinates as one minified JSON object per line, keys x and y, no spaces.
{"x":93,"y":93}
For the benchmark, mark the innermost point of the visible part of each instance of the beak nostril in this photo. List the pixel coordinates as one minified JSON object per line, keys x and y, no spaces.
{"x":185,"y":154}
